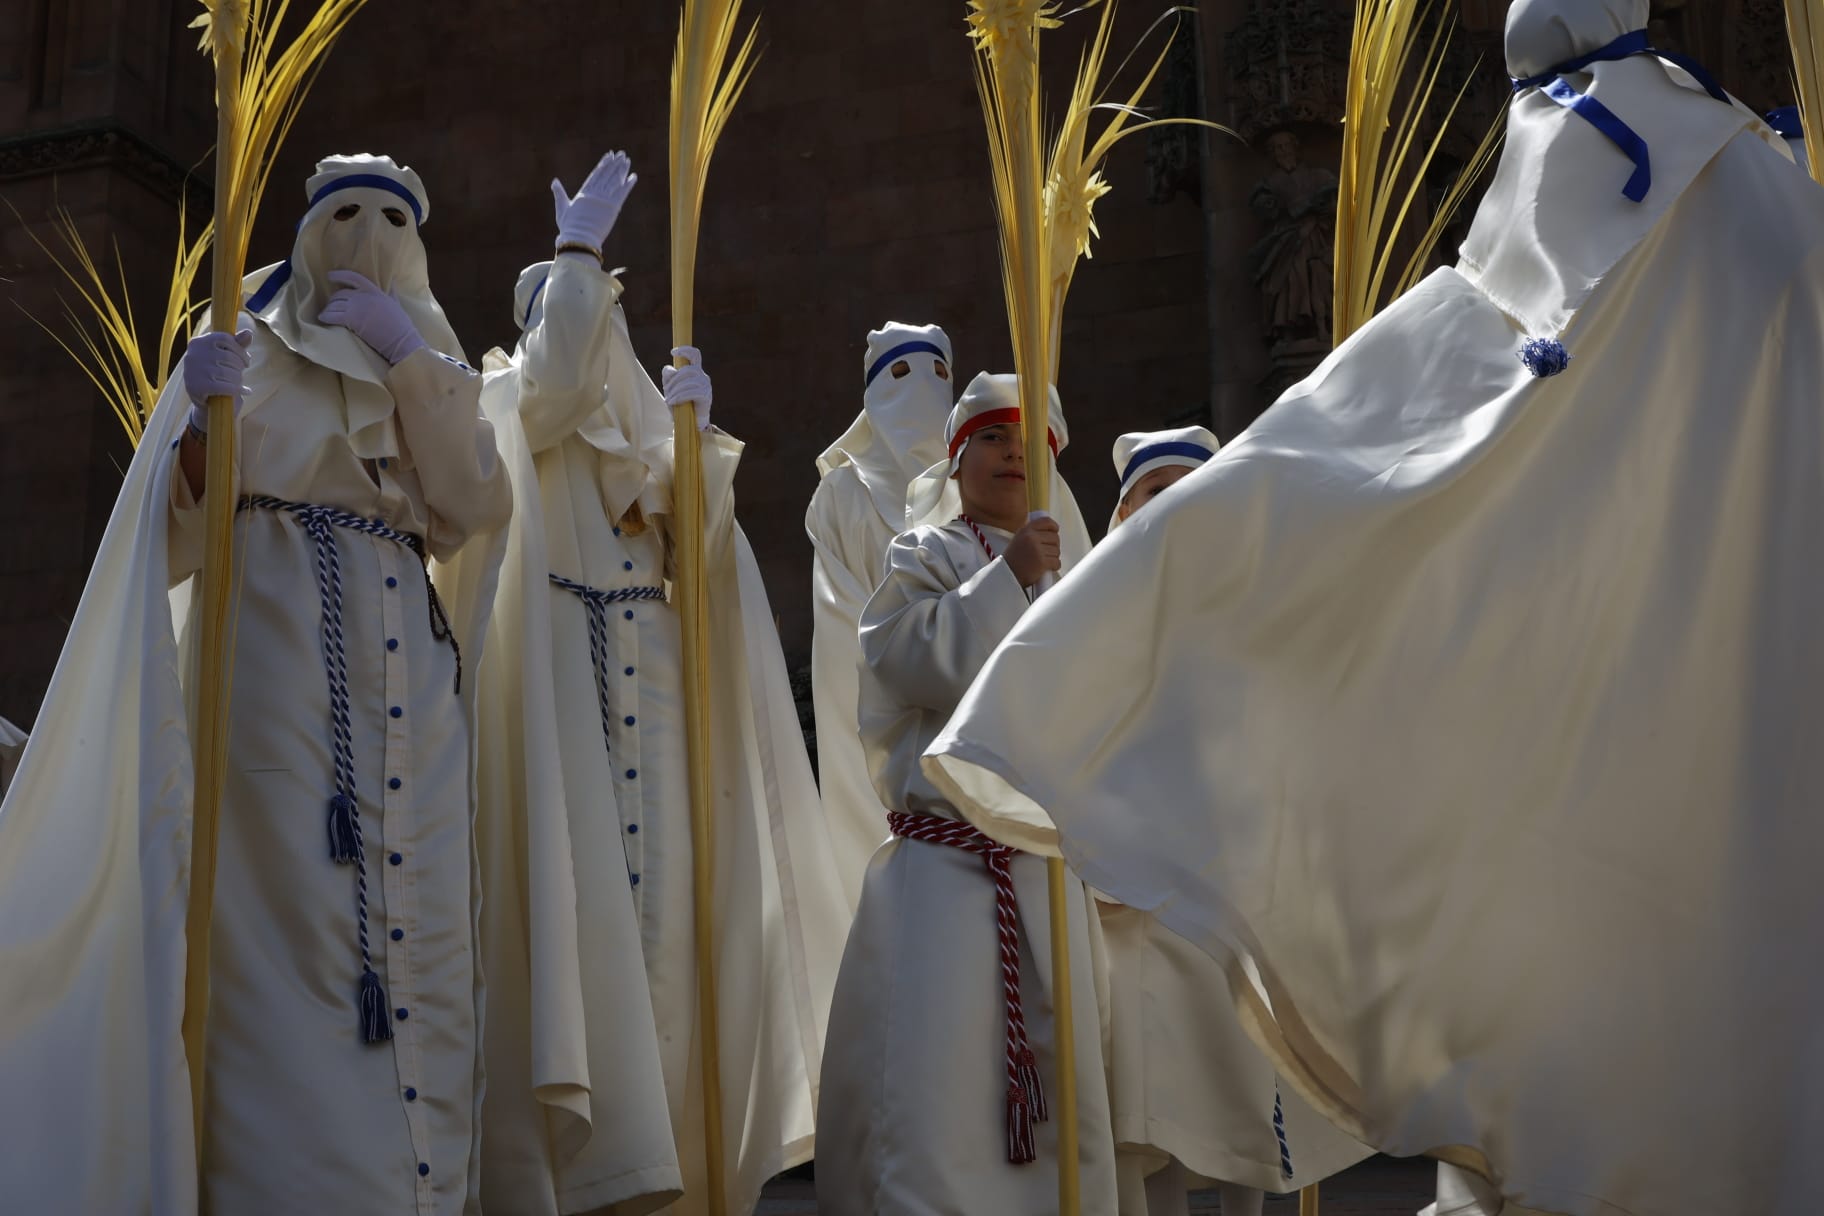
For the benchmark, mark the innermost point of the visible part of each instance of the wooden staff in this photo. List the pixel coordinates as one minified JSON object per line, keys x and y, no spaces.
{"x":1006,"y":34}
{"x":705,"y":83}
{"x":228,"y":30}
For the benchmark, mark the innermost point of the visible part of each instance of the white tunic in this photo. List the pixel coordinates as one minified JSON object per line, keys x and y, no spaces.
{"x":604,"y":876}
{"x":915,"y":1087}
{"x":391,"y":1127}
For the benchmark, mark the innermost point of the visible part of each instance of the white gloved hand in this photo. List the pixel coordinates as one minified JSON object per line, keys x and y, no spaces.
{"x":588,"y":218}
{"x":213,"y":365}
{"x":372,"y":316}
{"x":688,"y":383}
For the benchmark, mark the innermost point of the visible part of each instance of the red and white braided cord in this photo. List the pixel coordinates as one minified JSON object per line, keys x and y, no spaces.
{"x":980,"y":536}
{"x":1025,"y":1093}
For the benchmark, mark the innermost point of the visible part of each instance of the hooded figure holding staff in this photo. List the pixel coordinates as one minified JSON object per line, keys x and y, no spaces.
{"x":594,"y":1090}
{"x":342,"y":1051}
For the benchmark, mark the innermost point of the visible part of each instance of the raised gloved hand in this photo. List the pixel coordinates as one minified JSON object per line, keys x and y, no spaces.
{"x":688,"y":383}
{"x":371,"y":315}
{"x":587,"y":219}
{"x":213,"y":366}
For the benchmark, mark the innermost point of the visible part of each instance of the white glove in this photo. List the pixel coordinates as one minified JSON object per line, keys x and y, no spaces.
{"x":372,"y":316}
{"x":213,"y":364}
{"x":688,"y":383}
{"x":588,"y":218}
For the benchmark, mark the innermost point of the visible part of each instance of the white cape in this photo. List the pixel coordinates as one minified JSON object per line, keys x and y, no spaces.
{"x":1471,"y":719}
{"x":94,"y":877}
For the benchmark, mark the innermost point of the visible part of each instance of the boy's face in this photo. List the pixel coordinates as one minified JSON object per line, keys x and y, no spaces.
{"x":1149,"y":486}
{"x":991,"y":477}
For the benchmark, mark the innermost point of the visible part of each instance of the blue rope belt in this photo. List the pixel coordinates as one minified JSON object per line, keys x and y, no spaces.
{"x":1279,"y":1134}
{"x":596,"y":602}
{"x":346,"y":845}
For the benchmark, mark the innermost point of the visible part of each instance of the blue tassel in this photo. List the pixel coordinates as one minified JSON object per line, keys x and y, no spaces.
{"x":375,"y":1026}
{"x":1279,"y":1133}
{"x":1544,"y":356}
{"x":344,"y":845}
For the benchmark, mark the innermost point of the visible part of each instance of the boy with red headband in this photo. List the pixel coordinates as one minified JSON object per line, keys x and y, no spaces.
{"x":940,"y":1052}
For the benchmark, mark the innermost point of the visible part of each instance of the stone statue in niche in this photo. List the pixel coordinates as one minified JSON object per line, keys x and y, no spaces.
{"x":1292,"y":265}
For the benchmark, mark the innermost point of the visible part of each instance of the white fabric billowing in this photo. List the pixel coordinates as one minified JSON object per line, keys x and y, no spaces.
{"x":1186,"y":1085}
{"x":599,"y":871}
{"x":302,"y":1116}
{"x":858,"y":508}
{"x":914,"y":1076}
{"x":1477,"y":735}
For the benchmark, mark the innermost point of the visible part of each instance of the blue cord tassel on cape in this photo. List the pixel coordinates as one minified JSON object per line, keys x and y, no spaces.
{"x":1544,"y":356}
{"x":344,"y":840}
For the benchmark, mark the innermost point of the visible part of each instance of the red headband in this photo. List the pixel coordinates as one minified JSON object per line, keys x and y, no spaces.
{"x":1008,"y":417}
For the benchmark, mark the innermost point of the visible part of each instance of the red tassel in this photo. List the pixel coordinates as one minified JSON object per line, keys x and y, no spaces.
{"x":1021,"y":1150}
{"x":1028,"y":1073}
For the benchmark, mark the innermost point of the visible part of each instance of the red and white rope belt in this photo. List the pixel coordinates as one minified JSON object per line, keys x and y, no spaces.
{"x":1025,"y":1094}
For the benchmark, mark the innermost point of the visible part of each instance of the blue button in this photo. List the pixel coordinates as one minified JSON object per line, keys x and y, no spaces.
{"x":402,"y":1014}
{"x":632,"y":773}
{"x":633,"y":829}
{"x":628,"y":719}
{"x":383,"y":462}
{"x":398,"y":935}
{"x":626,"y":565}
{"x":617,"y":531}
{"x":424,"y":1171}
{"x":392,"y":643}
{"x":394,"y":783}
{"x":396,"y":859}
{"x":391,"y":581}
{"x":629,"y":614}
{"x":411,"y":1095}
{"x":396,"y":712}
{"x":634,"y":879}
{"x":630,"y":671}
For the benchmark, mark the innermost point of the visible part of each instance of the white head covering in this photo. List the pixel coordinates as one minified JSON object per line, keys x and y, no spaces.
{"x":1555,"y":220}
{"x":1140,"y":452}
{"x":289,"y":296}
{"x":991,"y":399}
{"x":899,"y":432}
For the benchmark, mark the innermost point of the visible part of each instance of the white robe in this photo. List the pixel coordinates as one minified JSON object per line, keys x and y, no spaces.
{"x":302,"y":1116}
{"x":849,"y":539}
{"x":598,"y":860}
{"x":915,"y":1086}
{"x":1478,"y":738}
{"x":1185,"y":1081}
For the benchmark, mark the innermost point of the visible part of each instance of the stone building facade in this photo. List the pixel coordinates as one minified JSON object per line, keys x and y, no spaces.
{"x":851,"y":187}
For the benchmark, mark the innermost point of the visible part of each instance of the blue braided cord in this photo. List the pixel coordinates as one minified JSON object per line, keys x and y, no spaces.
{"x":595,"y":603}
{"x":1279,"y":1133}
{"x":319,"y":524}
